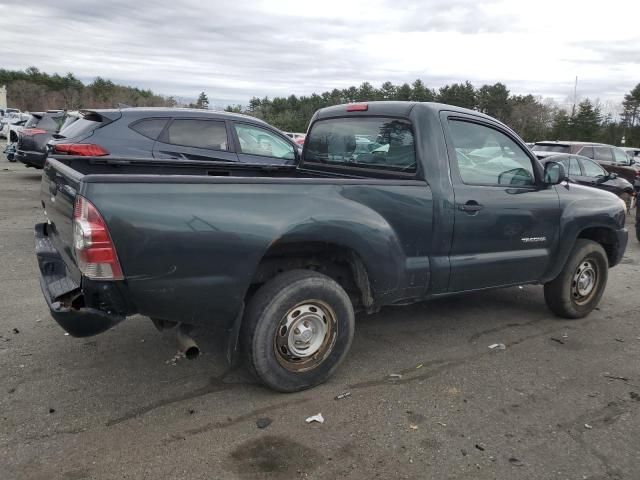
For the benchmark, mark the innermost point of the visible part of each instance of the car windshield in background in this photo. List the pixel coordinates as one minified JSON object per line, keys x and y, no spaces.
{"x":378,"y":143}
{"x":551,"y":148}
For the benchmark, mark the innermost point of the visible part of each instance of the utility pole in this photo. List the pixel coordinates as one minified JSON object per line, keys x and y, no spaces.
{"x":575,"y":97}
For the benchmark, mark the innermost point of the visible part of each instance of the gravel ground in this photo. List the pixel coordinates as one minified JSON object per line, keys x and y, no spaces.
{"x":562,"y":401}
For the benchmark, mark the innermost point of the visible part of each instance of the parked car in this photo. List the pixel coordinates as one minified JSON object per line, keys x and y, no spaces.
{"x":31,"y":148}
{"x":613,"y":159}
{"x":10,"y":122}
{"x":296,"y":137}
{"x":281,"y":259}
{"x":173,"y":133}
{"x":6,"y":111}
{"x":634,"y":154}
{"x":584,"y":171}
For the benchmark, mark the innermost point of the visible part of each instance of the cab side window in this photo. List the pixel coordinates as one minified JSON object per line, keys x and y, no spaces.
{"x":210,"y":134}
{"x":259,"y":141}
{"x":603,"y":154}
{"x":486,"y":156}
{"x":592,"y":169}
{"x":586,"y":152}
{"x":620,"y":157}
{"x":571,"y":166}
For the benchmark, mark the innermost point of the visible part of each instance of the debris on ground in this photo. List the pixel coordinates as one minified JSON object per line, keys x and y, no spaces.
{"x":621,"y":340}
{"x":15,"y":330}
{"x":343,"y":395}
{"x":497,"y":346}
{"x":419,"y":366}
{"x":191,"y":411}
{"x":615,"y":377}
{"x":264,"y":422}
{"x":442,"y":424}
{"x":593,"y":394}
{"x":520,"y":287}
{"x":516,"y":462}
{"x":413,"y":427}
{"x":557,"y":340}
{"x":66,"y":334}
{"x":395,"y":375}
{"x":565,"y":335}
{"x":587,"y":426}
{"x":480,"y":447}
{"x":52,"y":410}
{"x":176,"y":358}
{"x":315,"y":418}
{"x":464,"y":452}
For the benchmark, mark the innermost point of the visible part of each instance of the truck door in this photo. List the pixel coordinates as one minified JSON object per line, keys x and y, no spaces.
{"x":506,"y":221}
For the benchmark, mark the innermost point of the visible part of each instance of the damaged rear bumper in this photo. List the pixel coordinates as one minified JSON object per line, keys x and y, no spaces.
{"x":64,"y":297}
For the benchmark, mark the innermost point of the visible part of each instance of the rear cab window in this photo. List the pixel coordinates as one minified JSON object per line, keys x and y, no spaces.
{"x":381,"y":144}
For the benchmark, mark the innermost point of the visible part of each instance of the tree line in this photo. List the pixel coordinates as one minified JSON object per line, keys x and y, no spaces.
{"x":33,"y":90}
{"x":530,"y":116}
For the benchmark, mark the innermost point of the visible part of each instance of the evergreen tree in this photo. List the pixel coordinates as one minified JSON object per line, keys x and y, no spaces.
{"x":586,"y":122}
{"x":494,"y":101}
{"x":420,"y":93}
{"x":458,"y":94}
{"x":203,"y":101}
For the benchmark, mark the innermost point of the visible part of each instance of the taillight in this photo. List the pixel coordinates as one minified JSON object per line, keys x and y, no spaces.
{"x":80,"y":149}
{"x":32,"y":131}
{"x":95,"y":252}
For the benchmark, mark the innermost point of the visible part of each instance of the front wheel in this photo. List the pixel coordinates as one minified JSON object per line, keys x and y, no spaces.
{"x":577,"y":290}
{"x":297,"y":329}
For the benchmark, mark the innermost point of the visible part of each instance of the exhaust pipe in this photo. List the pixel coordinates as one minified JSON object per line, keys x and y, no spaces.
{"x":186,"y":344}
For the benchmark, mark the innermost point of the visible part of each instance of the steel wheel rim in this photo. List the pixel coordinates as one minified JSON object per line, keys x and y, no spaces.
{"x":584,"y":283}
{"x":305,"y":335}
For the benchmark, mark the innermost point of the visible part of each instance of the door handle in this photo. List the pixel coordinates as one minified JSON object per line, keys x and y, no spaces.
{"x":471,"y":207}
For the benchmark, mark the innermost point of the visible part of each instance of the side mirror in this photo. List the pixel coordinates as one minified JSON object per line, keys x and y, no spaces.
{"x":554,"y":173}
{"x":613,"y":176}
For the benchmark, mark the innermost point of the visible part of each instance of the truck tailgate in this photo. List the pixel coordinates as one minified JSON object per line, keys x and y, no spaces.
{"x":58,"y":191}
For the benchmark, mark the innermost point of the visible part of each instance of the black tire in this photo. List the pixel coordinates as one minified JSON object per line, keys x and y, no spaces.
{"x":272,"y":314}
{"x":564,"y":294}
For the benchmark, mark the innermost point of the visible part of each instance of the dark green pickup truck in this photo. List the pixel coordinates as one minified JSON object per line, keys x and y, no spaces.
{"x":389,"y":203}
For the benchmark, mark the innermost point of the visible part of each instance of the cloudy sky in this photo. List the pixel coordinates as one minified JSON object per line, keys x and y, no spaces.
{"x":237,"y":49}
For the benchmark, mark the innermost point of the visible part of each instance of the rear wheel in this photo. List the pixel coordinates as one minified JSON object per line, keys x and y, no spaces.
{"x":577,"y":290}
{"x":297,"y":329}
